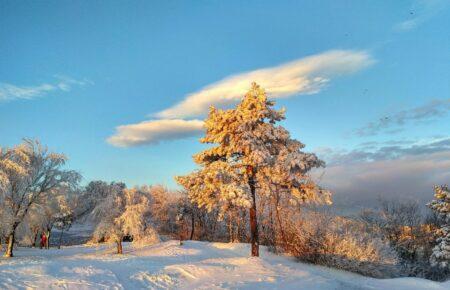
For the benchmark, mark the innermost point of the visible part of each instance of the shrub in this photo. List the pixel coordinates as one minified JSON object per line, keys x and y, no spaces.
{"x":341,"y":243}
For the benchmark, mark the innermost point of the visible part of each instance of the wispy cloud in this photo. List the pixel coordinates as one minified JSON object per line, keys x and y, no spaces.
{"x":9,"y":92}
{"x":152,"y":132}
{"x":420,"y":12}
{"x":303,"y":76}
{"x":388,"y":150}
{"x":396,"y":122}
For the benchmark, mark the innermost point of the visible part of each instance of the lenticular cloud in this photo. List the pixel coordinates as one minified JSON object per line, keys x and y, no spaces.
{"x":299,"y":77}
{"x":151,"y":132}
{"x":303,"y":76}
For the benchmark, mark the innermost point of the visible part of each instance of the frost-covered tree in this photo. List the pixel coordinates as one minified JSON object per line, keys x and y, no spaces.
{"x":52,"y":211}
{"x":252,"y":157}
{"x":64,"y":217}
{"x":441,"y":205}
{"x":164,"y":208}
{"x":135,"y":220}
{"x":124,"y":213}
{"x":3,"y":228}
{"x":29,"y":173}
{"x":64,"y":220}
{"x":186,"y":210}
{"x":98,"y":190}
{"x":33,"y":225}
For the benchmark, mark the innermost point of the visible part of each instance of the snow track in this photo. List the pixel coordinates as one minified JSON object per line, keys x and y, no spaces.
{"x":195,"y":265}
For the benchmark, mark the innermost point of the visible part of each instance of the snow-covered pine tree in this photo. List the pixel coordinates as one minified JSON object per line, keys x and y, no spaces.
{"x":441,"y":205}
{"x":252,"y":156}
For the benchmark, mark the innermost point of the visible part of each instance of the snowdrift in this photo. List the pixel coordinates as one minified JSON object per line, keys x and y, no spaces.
{"x":194,"y":265}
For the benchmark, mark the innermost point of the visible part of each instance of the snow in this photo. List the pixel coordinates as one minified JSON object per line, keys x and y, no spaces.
{"x":167,"y":265}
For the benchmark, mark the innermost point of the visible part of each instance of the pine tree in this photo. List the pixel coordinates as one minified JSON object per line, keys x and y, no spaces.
{"x":441,"y":205}
{"x":252,"y":157}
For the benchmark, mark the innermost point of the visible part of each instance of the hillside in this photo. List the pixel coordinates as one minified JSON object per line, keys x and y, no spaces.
{"x":195,"y":265}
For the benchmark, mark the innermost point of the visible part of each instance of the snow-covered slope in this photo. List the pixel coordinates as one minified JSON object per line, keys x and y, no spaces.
{"x":195,"y":265}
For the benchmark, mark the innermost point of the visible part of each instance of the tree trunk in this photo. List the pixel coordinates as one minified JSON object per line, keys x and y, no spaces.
{"x":192,"y":226}
{"x":280,"y":223}
{"x":60,"y":239}
{"x":119,"y":247}
{"x":253,"y":218}
{"x":211,"y":234}
{"x":230,"y":229}
{"x":181,"y":239}
{"x":47,"y":242}
{"x":35,"y":239}
{"x":272,"y":226}
{"x":243,"y":236}
{"x":238,"y":228}
{"x":9,"y":249}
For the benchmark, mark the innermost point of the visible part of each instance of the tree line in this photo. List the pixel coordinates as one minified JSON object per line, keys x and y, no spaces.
{"x":253,"y":185}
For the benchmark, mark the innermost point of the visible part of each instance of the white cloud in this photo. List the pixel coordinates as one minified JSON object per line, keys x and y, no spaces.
{"x":9,"y":92}
{"x":152,"y":132}
{"x":420,"y":12}
{"x":303,"y":76}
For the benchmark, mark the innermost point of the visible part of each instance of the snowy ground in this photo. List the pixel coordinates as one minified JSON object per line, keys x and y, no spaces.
{"x":195,"y":265}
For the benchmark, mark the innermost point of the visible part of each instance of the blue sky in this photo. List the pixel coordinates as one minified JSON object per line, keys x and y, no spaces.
{"x":366,"y":83}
